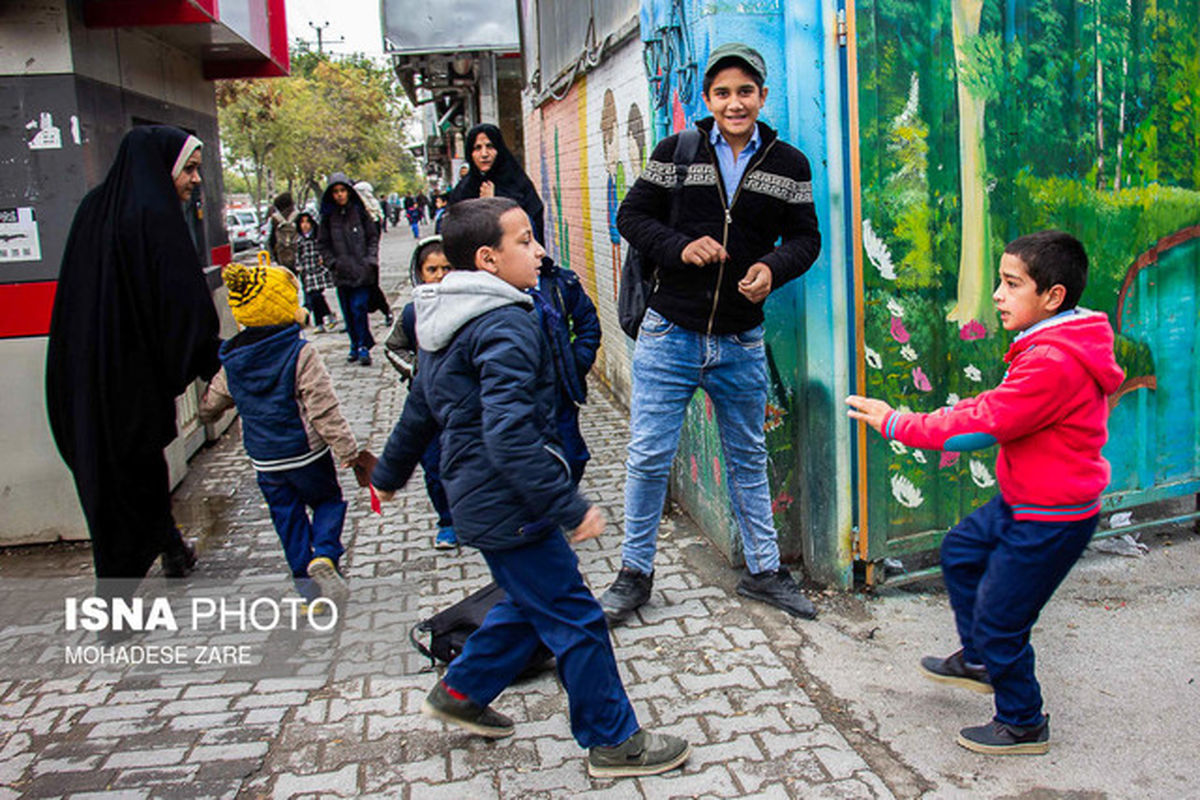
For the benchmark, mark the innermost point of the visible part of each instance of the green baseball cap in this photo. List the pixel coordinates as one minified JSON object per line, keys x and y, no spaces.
{"x":742,"y":52}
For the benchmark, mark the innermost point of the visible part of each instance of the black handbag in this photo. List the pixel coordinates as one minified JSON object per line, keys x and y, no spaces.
{"x":449,"y":629}
{"x":637,"y":276}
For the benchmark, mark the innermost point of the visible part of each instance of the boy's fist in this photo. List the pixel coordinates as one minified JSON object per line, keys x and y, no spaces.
{"x":362,"y":464}
{"x":591,"y":527}
{"x":868,"y":410}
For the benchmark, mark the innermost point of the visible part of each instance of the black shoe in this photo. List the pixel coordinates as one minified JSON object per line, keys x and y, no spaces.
{"x":439,"y":704}
{"x":954,"y":670}
{"x":350,"y":359}
{"x":998,"y":739}
{"x":644,"y":753}
{"x":179,"y":559}
{"x":365,"y":359}
{"x":628,"y":593}
{"x":777,"y":589}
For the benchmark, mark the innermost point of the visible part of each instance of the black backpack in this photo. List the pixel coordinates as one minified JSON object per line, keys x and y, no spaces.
{"x":448,"y":629}
{"x":637,"y":278}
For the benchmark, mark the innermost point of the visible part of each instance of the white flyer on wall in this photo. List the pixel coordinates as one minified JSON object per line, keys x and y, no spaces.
{"x":19,"y":235}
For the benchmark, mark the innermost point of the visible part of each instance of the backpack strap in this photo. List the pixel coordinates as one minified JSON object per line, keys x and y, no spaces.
{"x":686,"y":145}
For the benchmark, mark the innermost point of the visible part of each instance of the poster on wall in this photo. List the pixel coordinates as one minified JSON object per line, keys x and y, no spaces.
{"x":19,"y":235}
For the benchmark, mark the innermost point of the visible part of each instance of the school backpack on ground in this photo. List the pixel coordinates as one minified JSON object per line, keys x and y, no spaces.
{"x":637,"y":276}
{"x":287,"y":238}
{"x":448,"y":629}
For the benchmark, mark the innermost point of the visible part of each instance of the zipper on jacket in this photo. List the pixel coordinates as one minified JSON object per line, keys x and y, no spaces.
{"x":712,"y":315}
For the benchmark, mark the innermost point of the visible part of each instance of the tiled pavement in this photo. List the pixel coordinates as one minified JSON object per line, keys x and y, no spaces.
{"x":342,"y":718}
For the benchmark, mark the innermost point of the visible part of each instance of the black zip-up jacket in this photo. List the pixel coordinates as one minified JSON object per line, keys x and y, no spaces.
{"x":773,"y":202}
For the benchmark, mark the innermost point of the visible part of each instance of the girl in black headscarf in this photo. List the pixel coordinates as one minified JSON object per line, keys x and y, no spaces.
{"x":133,"y":325}
{"x":494,"y":172}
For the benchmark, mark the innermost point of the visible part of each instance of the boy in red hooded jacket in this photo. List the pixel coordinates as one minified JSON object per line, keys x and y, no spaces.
{"x":1049,"y":415}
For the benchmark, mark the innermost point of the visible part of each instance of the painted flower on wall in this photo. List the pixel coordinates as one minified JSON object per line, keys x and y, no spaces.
{"x":972,"y":372}
{"x":920,"y":381}
{"x":897,"y":448}
{"x":717,"y":471}
{"x":918,"y":456}
{"x":877,"y":252}
{"x":906,"y":493}
{"x":898,"y":332}
{"x":781,"y":503}
{"x":873,"y":358}
{"x":894,"y":308}
{"x":971,"y":331}
{"x":907,"y":353}
{"x":775,"y":416}
{"x":695,"y":470}
{"x":980,"y":475}
{"x":949,"y":459}
{"x":952,"y":399}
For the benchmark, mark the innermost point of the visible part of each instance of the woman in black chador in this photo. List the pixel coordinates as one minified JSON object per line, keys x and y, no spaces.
{"x":133,"y":326}
{"x":495,"y":172}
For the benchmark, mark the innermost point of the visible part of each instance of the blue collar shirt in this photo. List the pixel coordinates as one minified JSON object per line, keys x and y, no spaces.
{"x":733,"y":168}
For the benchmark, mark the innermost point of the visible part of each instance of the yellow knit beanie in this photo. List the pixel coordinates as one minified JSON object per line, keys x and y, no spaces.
{"x":263,"y":295}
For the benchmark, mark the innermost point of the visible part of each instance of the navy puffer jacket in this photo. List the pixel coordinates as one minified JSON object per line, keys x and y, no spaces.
{"x":487,"y":382}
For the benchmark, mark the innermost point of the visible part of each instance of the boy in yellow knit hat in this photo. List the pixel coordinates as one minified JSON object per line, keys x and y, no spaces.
{"x":291,"y":421}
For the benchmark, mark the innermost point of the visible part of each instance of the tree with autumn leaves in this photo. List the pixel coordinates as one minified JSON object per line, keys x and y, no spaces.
{"x":288,"y":133}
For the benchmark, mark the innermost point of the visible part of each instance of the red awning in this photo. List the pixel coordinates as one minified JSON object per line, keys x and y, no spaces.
{"x":232,"y":38}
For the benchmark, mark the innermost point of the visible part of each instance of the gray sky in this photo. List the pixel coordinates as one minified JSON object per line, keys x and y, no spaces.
{"x":355,"y":20}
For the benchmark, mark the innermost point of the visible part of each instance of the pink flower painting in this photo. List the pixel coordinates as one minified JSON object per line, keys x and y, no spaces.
{"x":920,"y":381}
{"x":949,"y":459}
{"x":898,"y":331}
{"x":971,"y":331}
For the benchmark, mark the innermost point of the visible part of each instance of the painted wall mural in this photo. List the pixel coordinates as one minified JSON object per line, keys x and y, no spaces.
{"x":590,"y":146}
{"x":982,"y":120}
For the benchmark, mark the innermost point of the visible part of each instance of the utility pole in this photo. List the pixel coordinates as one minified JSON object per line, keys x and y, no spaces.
{"x":320,"y":29}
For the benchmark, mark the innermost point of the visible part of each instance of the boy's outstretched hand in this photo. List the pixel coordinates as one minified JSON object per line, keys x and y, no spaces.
{"x":591,"y":527}
{"x":869,"y":410}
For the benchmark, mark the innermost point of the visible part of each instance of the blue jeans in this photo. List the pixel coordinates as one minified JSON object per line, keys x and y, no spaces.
{"x":669,"y":364}
{"x":354,"y":302}
{"x":999,"y":573}
{"x":431,"y":463}
{"x":547,"y":602}
{"x":289,"y":495}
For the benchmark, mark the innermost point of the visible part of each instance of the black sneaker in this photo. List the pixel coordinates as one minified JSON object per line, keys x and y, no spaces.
{"x":998,"y":739}
{"x":777,"y":589}
{"x":628,"y":593}
{"x":954,"y":670}
{"x":350,"y":359}
{"x":644,"y":753}
{"x":439,"y":704}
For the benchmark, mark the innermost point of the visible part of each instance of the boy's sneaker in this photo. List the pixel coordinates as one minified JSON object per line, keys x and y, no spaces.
{"x":998,"y":739}
{"x":331,"y":324}
{"x":954,"y":670}
{"x":350,"y":359}
{"x":440,"y":704}
{"x":644,"y":753}
{"x":333,"y":585}
{"x":446,"y":539}
{"x":179,"y":559}
{"x":777,"y":589}
{"x":364,"y":357}
{"x":628,"y":593}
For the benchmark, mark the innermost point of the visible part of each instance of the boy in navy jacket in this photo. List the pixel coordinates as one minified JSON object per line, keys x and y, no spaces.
{"x":487,"y":383}
{"x":1049,"y":415}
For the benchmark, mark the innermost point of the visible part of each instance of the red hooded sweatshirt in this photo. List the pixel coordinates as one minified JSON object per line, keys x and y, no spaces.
{"x":1049,"y":414}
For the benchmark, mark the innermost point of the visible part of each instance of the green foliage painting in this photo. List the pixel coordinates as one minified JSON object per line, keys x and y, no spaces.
{"x":982,"y":120}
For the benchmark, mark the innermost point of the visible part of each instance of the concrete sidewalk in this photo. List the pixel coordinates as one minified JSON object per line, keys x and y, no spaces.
{"x":774,"y":707}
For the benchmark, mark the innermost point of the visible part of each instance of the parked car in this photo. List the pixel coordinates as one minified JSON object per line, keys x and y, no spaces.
{"x":243,"y":228}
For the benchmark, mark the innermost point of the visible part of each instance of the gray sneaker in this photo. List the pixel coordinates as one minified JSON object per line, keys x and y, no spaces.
{"x":628,"y":593}
{"x":644,"y":753}
{"x":439,"y":704}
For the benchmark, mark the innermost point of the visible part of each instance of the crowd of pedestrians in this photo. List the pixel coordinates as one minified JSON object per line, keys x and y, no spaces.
{"x":496,"y":347}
